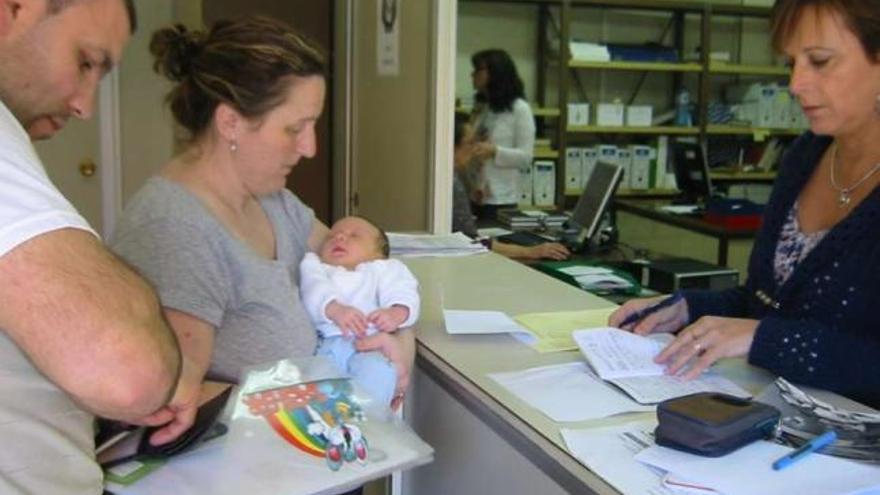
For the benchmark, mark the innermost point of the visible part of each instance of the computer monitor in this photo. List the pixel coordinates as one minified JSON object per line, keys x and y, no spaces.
{"x":691,"y":173}
{"x":587,"y":214}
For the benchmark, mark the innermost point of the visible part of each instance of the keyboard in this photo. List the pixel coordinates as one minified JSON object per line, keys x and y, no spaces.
{"x":524,"y":238}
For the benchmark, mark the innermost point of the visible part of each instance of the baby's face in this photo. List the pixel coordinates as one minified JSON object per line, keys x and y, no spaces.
{"x":351,"y":241}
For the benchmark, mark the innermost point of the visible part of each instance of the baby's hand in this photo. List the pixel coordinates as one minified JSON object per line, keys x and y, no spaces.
{"x":389,"y":319}
{"x":349,"y":319}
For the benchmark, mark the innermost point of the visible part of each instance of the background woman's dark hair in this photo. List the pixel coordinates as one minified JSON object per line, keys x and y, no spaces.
{"x":862,"y":17}
{"x":505,"y":86}
{"x":243,"y":63}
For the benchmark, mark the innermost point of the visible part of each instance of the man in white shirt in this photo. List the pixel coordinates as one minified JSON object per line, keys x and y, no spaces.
{"x":80,"y":333}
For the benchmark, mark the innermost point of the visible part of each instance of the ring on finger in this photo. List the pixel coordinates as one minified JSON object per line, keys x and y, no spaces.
{"x":697,"y":347}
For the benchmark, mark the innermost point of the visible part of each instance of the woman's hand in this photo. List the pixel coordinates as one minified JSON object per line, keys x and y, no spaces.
{"x":179,"y":414}
{"x":549,"y":250}
{"x":400,"y":349}
{"x":669,"y":319}
{"x":709,"y":339}
{"x":484,"y":150}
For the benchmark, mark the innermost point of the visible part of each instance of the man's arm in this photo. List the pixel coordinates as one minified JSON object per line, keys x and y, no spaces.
{"x":89,"y":323}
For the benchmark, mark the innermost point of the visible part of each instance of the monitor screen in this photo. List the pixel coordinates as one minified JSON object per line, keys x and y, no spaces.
{"x":691,"y":172}
{"x":594,"y":199}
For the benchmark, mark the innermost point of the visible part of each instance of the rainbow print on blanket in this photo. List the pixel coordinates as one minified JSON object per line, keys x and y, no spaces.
{"x":316,"y":417}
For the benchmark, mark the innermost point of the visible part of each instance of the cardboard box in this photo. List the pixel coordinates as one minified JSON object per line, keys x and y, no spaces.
{"x":609,"y":114}
{"x":578,"y":114}
{"x":640,"y":168}
{"x":525,"y":185}
{"x":639,"y":115}
{"x":573,"y":169}
{"x":544,"y":182}
{"x":588,"y":163}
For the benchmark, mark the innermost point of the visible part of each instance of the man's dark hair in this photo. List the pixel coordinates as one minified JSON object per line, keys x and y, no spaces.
{"x":56,"y":5}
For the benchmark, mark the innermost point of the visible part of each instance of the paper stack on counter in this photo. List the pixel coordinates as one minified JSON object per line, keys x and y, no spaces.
{"x":416,"y":245}
{"x":627,"y":360}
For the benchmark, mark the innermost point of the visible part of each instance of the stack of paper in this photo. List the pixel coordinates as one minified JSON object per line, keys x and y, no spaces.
{"x":627,"y":360}
{"x":588,"y":52}
{"x":412,"y":245}
{"x":465,"y":322}
{"x":554,"y":329}
{"x":596,"y":278}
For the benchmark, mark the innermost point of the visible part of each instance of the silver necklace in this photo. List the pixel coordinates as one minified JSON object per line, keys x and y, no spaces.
{"x":844,"y":193}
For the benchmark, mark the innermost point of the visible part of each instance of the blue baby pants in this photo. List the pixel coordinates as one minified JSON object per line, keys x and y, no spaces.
{"x":372,"y":371}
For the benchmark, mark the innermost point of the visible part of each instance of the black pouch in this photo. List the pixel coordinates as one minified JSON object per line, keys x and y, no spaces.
{"x":712,"y":424}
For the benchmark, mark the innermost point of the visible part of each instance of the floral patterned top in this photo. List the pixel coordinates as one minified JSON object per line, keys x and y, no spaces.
{"x":793,"y":246}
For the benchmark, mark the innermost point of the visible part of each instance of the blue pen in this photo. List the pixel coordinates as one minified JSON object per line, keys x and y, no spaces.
{"x":806,"y":449}
{"x":638,"y":315}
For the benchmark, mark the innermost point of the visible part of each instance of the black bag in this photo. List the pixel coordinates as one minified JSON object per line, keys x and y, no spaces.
{"x":712,"y":424}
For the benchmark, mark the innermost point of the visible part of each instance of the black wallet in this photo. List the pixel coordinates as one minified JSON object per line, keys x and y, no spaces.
{"x":130,"y":444}
{"x":713,"y":424}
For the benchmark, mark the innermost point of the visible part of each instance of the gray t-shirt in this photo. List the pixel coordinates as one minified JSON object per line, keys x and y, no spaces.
{"x":200,"y":268}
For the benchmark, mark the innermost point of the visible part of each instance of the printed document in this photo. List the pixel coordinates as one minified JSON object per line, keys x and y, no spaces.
{"x":554,"y":329}
{"x":749,"y":471}
{"x":627,"y":360}
{"x":567,"y":392}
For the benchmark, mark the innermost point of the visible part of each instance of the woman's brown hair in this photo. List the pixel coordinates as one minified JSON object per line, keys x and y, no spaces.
{"x":245,"y":63}
{"x":862,"y":17}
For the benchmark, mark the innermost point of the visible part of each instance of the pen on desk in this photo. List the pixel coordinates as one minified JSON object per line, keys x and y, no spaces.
{"x":638,"y":315}
{"x":806,"y":449}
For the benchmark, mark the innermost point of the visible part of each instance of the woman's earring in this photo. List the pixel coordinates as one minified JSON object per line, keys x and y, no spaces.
{"x":233,"y":146}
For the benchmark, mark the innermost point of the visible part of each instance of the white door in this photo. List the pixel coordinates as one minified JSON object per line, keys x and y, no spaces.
{"x":72,"y":161}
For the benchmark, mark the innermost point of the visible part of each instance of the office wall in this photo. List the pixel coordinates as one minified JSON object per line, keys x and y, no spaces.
{"x":391,"y":132}
{"x":146,"y":126}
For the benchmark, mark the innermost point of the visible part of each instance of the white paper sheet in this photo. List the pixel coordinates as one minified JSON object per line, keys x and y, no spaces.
{"x":578,"y":270}
{"x":567,"y":392}
{"x":654,"y":389}
{"x":748,"y":471}
{"x":610,"y":453}
{"x":465,"y":322}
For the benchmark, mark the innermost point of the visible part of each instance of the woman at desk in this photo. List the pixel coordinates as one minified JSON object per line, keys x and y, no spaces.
{"x":216,"y":231}
{"x":505,"y":131}
{"x":463,"y":217}
{"x":808,"y":309}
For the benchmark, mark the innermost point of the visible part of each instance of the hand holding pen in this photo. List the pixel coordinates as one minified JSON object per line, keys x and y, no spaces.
{"x":644,"y":316}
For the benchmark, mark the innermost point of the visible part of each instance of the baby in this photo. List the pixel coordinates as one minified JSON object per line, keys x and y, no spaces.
{"x":354,"y":290}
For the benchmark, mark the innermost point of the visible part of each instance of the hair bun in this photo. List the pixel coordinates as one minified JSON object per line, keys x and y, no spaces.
{"x":175,"y":48}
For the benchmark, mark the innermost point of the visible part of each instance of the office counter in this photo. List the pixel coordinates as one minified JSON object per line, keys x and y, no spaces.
{"x":487,"y":441}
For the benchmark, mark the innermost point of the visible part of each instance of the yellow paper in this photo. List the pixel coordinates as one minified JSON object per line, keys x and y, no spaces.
{"x":554,"y":329}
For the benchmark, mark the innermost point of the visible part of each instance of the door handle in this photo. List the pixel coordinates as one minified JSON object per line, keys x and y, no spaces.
{"x":87,"y":168}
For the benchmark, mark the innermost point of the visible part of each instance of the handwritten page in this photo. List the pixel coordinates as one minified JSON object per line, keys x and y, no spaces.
{"x":748,"y":471}
{"x":554,"y":330}
{"x":616,"y":353}
{"x":465,"y":322}
{"x":627,"y":360}
{"x":567,"y":392}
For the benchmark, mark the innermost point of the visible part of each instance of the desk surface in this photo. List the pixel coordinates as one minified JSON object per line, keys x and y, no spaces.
{"x":460,"y":363}
{"x":649,"y":209}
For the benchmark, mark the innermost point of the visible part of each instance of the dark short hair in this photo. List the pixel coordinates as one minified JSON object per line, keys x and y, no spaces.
{"x":245,"y":63}
{"x":505,"y":86}
{"x":862,"y":17}
{"x":382,"y":241}
{"x":56,"y":5}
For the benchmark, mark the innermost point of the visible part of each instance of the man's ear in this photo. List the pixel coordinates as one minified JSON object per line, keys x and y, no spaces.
{"x":229,"y":122}
{"x":17,"y":16}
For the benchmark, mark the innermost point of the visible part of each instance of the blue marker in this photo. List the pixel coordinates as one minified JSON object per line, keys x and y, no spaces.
{"x":806,"y":449}
{"x":639,"y":315}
